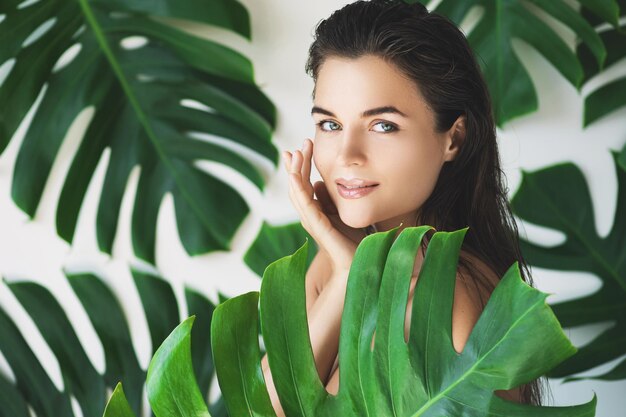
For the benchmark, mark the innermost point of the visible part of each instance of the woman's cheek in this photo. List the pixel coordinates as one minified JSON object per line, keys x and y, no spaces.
{"x":323,"y":167}
{"x":318,"y":161}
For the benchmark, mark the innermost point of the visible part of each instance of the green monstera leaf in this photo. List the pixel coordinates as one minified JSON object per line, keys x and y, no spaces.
{"x":558,"y":197}
{"x":422,"y":377}
{"x":171,"y":385}
{"x":509,"y":83}
{"x":274,"y":242}
{"x":610,"y":96}
{"x":118,"y":404}
{"x":147,"y":88}
{"x":516,"y":339}
{"x":32,"y":386}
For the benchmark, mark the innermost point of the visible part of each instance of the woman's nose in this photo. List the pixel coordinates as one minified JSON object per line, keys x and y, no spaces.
{"x":352,"y":148}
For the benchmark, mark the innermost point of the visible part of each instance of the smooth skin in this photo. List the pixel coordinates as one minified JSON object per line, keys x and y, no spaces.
{"x":402,"y":153}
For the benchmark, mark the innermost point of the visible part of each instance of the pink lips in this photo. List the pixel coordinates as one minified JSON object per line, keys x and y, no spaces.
{"x":367,"y":187}
{"x":355,"y":182}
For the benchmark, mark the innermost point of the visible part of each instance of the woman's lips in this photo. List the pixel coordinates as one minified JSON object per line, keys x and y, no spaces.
{"x":355,"y":192}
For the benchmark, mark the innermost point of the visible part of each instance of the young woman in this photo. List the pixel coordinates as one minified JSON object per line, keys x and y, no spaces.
{"x":405,"y":136}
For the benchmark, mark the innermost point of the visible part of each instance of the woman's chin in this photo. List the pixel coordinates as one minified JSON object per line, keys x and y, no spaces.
{"x":355,"y":222}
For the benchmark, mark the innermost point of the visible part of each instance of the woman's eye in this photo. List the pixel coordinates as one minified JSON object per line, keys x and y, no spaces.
{"x":387,"y":127}
{"x":330,"y":126}
{"x":331,"y":123}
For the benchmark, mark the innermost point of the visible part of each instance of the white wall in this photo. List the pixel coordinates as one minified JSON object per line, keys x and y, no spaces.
{"x":282,"y":32}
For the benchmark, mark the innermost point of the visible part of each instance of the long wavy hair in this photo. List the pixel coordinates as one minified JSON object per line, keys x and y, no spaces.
{"x":470,"y":191}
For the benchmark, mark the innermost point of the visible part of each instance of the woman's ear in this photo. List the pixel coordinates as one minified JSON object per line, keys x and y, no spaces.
{"x":455,"y":138}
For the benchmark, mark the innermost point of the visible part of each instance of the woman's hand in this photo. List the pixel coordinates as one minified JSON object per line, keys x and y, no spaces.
{"x":319,"y":216}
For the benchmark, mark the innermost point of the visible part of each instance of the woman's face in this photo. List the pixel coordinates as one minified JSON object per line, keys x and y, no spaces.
{"x":399,"y":151}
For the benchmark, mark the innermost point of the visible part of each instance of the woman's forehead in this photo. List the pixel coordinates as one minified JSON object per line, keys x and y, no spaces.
{"x":364,"y":84}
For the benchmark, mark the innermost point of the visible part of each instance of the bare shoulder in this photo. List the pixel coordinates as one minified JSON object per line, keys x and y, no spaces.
{"x":478,"y":277}
{"x":481,"y":267}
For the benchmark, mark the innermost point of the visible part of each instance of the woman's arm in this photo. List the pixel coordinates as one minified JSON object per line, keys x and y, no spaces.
{"x":325,"y":293}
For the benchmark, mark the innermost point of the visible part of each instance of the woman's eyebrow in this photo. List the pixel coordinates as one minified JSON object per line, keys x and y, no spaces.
{"x":366,"y":113}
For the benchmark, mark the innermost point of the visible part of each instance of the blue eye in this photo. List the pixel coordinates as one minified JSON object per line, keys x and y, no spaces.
{"x":320,"y":124}
{"x":390,"y":127}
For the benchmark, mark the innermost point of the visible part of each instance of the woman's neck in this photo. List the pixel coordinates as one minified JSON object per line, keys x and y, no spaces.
{"x":403,"y":221}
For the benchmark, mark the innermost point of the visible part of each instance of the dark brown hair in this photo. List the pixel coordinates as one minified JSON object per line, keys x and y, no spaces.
{"x":470,"y":191}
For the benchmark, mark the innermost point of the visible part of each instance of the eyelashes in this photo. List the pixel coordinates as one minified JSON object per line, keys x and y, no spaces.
{"x":320,"y":124}
{"x":391,"y":127}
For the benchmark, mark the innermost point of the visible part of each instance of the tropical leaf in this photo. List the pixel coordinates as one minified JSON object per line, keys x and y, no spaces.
{"x":147,"y":86}
{"x":15,"y":406}
{"x":240,"y":378}
{"x":118,"y":405}
{"x":32,"y":385}
{"x":171,"y":385}
{"x":558,"y":197}
{"x":274,"y":242}
{"x":510,"y":86}
{"x":610,"y":96}
{"x":516,"y":339}
{"x":612,"y":9}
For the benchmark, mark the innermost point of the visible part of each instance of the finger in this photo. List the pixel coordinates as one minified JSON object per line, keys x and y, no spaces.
{"x":311,"y":214}
{"x":307,"y":152}
{"x":287,"y":160}
{"x":298,"y":168}
{"x":294,"y":168}
{"x":324,"y":198}
{"x":296,"y":162}
{"x":306,"y":168}
{"x":308,"y":214}
{"x":296,"y":183}
{"x":293,"y":190}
